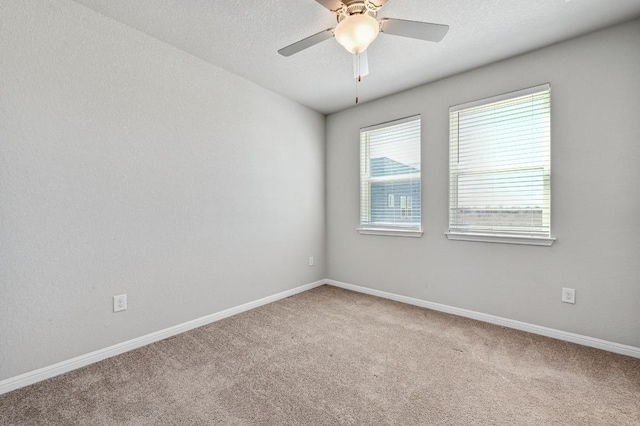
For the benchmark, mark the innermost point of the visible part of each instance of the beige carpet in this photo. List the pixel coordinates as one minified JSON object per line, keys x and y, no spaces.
{"x":330,"y":356}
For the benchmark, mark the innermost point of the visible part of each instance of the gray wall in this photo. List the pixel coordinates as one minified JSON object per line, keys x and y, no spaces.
{"x":595,"y":87}
{"x":127,"y":166}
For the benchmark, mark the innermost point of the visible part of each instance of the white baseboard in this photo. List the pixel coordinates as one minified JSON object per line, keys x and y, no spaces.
{"x":505,"y":322}
{"x":43,"y":373}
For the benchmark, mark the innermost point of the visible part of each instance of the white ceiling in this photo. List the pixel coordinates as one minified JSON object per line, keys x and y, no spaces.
{"x":243,"y":37}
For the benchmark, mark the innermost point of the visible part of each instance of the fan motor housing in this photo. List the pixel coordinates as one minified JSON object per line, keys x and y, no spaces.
{"x":357,"y":7}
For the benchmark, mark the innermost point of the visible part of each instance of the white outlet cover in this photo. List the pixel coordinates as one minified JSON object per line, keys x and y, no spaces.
{"x":568,"y":295}
{"x":120,"y":303}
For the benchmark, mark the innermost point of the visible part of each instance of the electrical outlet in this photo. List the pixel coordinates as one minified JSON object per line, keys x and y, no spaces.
{"x":568,"y":295}
{"x":311,"y":261}
{"x":120,"y":303}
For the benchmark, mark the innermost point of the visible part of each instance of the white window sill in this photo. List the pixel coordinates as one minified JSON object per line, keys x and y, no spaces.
{"x":390,"y":232}
{"x":505,"y":239}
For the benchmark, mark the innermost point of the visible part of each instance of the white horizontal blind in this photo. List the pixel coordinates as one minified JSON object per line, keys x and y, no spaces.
{"x":499,"y":168}
{"x":390,"y":175}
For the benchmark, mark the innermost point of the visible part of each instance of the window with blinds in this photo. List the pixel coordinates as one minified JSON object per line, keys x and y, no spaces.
{"x":390,"y":175}
{"x":499,"y":168}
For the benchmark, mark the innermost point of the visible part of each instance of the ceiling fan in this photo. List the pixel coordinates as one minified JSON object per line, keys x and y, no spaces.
{"x":358,"y":27}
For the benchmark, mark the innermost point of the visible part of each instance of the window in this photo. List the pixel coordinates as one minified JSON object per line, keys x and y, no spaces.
{"x":499,"y":168}
{"x":390,"y":171}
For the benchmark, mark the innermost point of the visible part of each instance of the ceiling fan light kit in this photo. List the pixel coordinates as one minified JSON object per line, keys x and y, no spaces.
{"x":358,"y":27}
{"x":356,"y":32}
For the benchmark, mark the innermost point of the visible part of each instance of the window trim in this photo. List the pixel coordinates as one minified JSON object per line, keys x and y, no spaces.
{"x":391,"y":232}
{"x":502,"y":97}
{"x":497,"y":237}
{"x":505,"y":239}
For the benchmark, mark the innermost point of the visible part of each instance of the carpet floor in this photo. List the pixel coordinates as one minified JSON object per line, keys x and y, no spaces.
{"x":330,"y":356}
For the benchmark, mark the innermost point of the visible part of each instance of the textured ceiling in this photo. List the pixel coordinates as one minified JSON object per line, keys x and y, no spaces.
{"x":243,"y":37}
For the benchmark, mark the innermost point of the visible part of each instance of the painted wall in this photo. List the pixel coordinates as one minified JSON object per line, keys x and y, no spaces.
{"x":595,"y":197}
{"x":128,"y":166}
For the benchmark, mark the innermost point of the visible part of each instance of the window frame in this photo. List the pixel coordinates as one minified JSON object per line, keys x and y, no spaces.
{"x":385,"y":229}
{"x":496,"y":236}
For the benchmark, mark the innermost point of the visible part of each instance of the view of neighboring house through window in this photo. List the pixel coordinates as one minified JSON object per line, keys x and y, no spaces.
{"x":390,"y":175}
{"x":499,"y":169}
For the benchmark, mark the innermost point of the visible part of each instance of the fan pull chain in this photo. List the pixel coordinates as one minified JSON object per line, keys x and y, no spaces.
{"x":359,"y":77}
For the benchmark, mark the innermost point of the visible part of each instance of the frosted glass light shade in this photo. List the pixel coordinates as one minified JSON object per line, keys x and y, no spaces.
{"x":356,"y":32}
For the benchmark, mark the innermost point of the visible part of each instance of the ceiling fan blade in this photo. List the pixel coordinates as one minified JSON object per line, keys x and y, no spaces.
{"x":364,"y":65}
{"x":413,"y":29}
{"x":332,"y":5}
{"x":306,"y":42}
